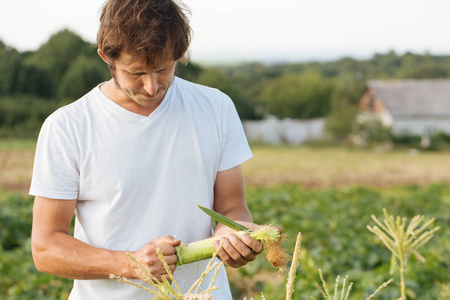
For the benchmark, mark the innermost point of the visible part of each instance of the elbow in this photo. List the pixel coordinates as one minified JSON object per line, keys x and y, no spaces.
{"x":38,"y":252}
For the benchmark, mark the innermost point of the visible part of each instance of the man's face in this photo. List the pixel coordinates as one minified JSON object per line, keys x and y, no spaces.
{"x":141,"y":85}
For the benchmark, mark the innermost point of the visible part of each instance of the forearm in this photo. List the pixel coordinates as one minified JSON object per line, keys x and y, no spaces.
{"x":240,"y":215}
{"x":63,"y":255}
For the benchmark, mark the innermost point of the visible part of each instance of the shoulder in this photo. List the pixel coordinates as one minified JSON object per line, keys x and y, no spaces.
{"x":201,"y":93}
{"x":74,"y":112}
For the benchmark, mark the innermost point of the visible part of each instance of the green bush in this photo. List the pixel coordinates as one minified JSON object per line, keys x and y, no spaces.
{"x":23,"y":115}
{"x":19,"y":278}
{"x":437,"y":142}
{"x":335,"y":239}
{"x":15,"y":221}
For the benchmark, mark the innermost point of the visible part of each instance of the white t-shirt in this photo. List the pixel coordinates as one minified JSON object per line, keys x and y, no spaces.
{"x":139,"y":177}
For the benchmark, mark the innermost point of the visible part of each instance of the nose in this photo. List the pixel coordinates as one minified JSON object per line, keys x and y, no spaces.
{"x":151,"y":84}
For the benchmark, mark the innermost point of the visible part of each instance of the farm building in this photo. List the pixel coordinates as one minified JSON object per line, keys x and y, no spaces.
{"x":290,"y":131}
{"x":409,"y":107}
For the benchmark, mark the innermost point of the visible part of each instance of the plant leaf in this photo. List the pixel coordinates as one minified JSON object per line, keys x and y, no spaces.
{"x":223,"y":220}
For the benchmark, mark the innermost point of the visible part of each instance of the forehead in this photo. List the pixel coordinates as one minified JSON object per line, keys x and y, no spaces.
{"x":141,"y":63}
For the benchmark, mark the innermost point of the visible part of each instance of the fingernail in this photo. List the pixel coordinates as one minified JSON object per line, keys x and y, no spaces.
{"x":216,"y":244}
{"x":232,"y":237}
{"x":223,"y":240}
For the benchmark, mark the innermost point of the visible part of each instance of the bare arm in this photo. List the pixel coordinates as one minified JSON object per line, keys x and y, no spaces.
{"x":229,"y":200}
{"x":55,"y":251}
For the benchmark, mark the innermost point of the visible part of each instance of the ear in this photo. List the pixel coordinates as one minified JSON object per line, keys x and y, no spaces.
{"x":103,"y":56}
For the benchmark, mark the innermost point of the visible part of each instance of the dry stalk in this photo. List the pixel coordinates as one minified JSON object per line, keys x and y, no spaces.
{"x":293,"y":269}
{"x":345,"y":289}
{"x":402,"y":241}
{"x":163,"y":289}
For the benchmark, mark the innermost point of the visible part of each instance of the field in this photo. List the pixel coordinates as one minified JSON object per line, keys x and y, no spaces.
{"x":313,"y":167}
{"x":327,"y":193}
{"x":324,"y":167}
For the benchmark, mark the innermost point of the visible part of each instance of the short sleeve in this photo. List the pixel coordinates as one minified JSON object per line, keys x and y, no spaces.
{"x":235,"y":148}
{"x":55,"y":171}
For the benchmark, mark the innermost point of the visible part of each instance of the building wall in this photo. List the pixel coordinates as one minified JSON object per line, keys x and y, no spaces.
{"x":289,"y":131}
{"x":420,"y":126}
{"x":370,"y":103}
{"x":371,"y":106}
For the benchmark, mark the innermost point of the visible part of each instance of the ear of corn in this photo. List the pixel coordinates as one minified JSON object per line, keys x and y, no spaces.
{"x":204,"y":249}
{"x":270,"y":236}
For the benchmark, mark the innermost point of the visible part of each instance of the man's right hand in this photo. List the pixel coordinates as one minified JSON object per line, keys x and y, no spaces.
{"x":148,"y":257}
{"x":56,"y":252}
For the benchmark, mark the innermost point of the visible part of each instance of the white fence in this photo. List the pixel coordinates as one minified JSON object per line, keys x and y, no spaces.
{"x":420,"y":126}
{"x":289,"y":131}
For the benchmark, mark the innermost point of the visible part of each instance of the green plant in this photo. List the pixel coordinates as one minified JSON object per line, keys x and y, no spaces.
{"x":402,"y":241}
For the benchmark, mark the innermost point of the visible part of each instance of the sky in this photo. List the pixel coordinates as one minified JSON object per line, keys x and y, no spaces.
{"x":259,"y":30}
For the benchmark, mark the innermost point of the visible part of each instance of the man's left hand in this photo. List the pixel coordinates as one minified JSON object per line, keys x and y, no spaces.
{"x":237,"y":252}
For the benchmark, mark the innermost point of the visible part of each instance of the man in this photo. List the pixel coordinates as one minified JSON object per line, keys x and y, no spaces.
{"x":133,"y":158}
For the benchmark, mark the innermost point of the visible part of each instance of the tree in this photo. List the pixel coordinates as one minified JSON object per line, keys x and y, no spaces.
{"x":189,"y":72}
{"x":36,"y":81}
{"x":341,"y":121}
{"x":302,"y":96}
{"x":83,"y":75}
{"x":10,"y":66}
{"x":218,"y":79}
{"x":57,"y":55}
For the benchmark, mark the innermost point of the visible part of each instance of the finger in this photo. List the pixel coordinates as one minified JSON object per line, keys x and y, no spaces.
{"x":160,"y":275}
{"x":167,"y":239}
{"x":223,"y":254}
{"x":237,"y":250}
{"x":170,"y":262}
{"x":167,"y":276}
{"x":166,"y":249}
{"x":243,"y":250}
{"x":172,"y":267}
{"x":170,"y":259}
{"x":256,"y":246}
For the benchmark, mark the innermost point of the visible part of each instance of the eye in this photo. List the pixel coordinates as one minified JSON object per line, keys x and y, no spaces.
{"x":162,"y":70}
{"x":136,"y":75}
{"x":165,"y":69}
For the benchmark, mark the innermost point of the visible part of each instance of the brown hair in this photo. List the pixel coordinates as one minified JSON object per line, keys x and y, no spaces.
{"x":153,"y":30}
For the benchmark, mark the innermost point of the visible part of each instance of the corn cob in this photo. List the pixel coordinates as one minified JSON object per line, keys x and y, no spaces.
{"x":270,"y":236}
{"x":204,"y":249}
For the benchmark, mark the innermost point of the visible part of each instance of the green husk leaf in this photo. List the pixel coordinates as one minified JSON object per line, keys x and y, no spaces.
{"x":223,"y":220}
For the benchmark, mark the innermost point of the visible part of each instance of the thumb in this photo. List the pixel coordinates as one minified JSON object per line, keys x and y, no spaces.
{"x":168,"y":239}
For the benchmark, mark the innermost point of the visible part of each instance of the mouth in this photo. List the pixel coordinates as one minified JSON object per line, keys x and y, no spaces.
{"x":147,"y":96}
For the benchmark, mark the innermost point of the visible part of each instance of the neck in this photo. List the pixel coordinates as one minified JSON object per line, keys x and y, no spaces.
{"x":114,"y":93}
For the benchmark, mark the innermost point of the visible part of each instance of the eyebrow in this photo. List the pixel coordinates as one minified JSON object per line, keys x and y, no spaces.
{"x":139,"y":70}
{"x":134,"y":69}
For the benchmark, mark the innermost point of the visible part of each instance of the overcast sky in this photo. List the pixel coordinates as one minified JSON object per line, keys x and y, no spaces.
{"x":264,"y":30}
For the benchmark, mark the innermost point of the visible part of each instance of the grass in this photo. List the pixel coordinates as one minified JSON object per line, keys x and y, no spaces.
{"x":321,"y":167}
{"x":309,"y":166}
{"x":17,"y":144}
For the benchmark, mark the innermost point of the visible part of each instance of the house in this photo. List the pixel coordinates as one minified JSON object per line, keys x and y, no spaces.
{"x":271,"y":130}
{"x":409,"y":107}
